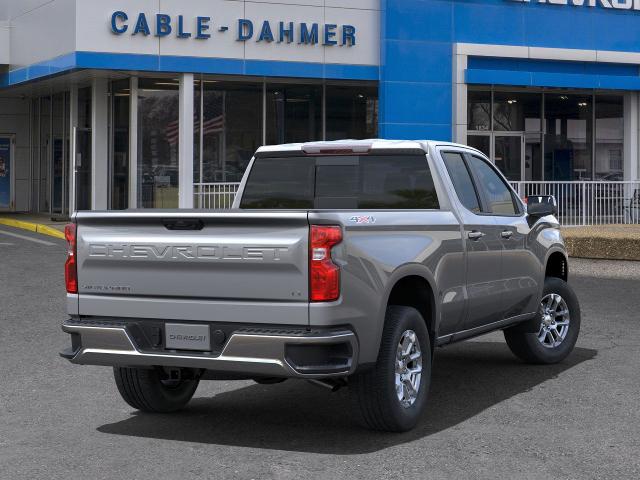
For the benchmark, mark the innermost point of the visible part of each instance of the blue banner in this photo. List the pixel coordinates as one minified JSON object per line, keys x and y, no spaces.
{"x":5,"y":173}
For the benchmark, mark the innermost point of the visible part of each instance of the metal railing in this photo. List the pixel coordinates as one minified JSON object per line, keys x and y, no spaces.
{"x":589,"y":202}
{"x":579,"y":203}
{"x":215,"y":196}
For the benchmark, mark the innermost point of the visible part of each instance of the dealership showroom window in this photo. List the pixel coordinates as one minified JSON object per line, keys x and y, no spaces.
{"x":162,"y":105}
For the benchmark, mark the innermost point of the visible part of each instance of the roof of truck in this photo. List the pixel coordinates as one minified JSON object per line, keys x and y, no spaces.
{"x":359,"y":146}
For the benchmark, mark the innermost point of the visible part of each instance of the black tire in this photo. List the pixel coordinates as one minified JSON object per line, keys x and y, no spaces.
{"x":145,"y":390}
{"x":374,"y":399}
{"x":529,"y":348}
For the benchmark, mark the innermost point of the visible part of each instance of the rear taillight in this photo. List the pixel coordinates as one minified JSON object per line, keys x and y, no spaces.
{"x":324,"y":275}
{"x":70,"y":266}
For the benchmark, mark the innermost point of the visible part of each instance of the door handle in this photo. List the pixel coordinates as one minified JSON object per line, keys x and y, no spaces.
{"x":507,"y":234}
{"x":476,"y":235}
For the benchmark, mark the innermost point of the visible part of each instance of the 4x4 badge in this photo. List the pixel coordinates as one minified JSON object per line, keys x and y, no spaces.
{"x":363,"y":219}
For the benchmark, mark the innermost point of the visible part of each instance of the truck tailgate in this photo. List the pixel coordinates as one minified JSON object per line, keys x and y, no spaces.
{"x":212,"y":256}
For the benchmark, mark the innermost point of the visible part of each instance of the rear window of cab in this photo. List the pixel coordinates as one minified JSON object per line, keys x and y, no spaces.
{"x":341,"y":183}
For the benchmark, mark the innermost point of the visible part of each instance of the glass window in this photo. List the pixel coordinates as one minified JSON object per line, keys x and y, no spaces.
{"x":380,"y":182}
{"x":352,"y":112}
{"x":158,"y":136}
{"x":508,"y":155}
{"x":120,"y":95}
{"x":45,"y":144}
{"x":294,"y":113}
{"x":35,"y":152}
{"x":533,"y":156}
{"x":497,"y":194}
{"x":479,"y":110}
{"x":58,"y":154}
{"x":280,"y":183}
{"x":371,"y":182}
{"x":231,"y":129}
{"x":517,"y":111}
{"x":197,"y":97}
{"x":461,"y":180}
{"x":609,"y":154}
{"x":480,"y":142}
{"x":568,"y":136}
{"x":83,"y":150}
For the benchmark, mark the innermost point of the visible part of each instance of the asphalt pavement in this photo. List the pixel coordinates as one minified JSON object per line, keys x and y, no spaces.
{"x":490,"y":416}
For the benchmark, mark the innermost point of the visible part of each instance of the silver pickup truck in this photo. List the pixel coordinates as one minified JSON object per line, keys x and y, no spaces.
{"x":342,"y":263}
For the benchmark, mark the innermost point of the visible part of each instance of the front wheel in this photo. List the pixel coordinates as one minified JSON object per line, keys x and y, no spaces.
{"x":557,"y":328}
{"x":148,"y":389}
{"x":393,"y":394}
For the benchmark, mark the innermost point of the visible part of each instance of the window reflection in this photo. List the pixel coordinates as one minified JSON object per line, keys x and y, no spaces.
{"x":516,"y":111}
{"x":158,"y":137}
{"x":294,"y":113}
{"x":559,"y":147}
{"x":352,"y":112}
{"x":567,"y":140}
{"x":231,"y":129}
{"x":609,"y":158}
{"x":479,"y":110}
{"x":120,"y":96}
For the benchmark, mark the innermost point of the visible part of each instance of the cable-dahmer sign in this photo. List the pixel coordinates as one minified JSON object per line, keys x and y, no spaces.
{"x":202,"y":28}
{"x":618,"y":4}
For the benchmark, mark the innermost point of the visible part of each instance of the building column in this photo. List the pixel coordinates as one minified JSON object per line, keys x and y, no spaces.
{"x":185,"y":149}
{"x":631,"y":135}
{"x":133,"y":143}
{"x":73,"y":125}
{"x":459,"y":96}
{"x":99,"y":144}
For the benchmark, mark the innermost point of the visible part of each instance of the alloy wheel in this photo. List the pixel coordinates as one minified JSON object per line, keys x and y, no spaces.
{"x":555,"y":320}
{"x":408,"y":368}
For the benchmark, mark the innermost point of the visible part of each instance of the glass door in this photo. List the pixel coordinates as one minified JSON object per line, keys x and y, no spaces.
{"x":508,"y":154}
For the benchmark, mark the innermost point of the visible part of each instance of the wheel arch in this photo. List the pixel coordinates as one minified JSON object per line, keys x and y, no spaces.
{"x":412,"y":286}
{"x":557,"y":265}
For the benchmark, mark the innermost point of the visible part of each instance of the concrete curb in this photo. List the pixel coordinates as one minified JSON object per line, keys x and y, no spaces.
{"x":612,"y":242}
{"x":32,"y":227}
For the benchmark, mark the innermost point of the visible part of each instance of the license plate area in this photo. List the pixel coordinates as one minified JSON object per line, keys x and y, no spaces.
{"x":181,"y":336}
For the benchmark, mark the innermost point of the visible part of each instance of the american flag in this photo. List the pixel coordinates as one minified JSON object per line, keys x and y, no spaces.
{"x":211,"y":125}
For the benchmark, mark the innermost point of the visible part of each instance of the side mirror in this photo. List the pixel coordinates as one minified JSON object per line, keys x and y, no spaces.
{"x":541,"y":205}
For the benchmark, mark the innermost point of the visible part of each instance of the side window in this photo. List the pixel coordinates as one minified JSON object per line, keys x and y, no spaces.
{"x":461,"y":180}
{"x":498,"y":195}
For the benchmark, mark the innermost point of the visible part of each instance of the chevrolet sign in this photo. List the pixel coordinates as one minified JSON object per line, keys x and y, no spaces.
{"x":617,"y":4}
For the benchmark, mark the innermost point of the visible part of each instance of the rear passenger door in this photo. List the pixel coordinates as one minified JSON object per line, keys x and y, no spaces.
{"x":519,"y":266}
{"x":484,"y":284}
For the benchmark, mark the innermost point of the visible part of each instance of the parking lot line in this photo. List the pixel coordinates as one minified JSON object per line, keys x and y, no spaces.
{"x":24,"y":237}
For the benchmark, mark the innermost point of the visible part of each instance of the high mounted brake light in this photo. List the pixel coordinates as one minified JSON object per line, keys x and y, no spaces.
{"x":70,"y":266}
{"x":324,"y":275}
{"x":336,"y":148}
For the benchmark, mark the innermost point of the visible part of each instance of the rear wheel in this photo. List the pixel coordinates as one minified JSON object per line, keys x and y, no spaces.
{"x":393,"y":394}
{"x":557,"y":326}
{"x":150,"y":390}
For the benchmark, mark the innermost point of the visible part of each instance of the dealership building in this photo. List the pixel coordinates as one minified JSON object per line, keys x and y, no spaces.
{"x":114,"y":104}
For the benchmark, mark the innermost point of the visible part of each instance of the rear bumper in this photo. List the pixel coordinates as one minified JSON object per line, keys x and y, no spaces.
{"x":248,"y":351}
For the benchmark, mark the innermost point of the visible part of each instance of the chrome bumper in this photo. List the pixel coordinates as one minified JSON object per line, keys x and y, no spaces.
{"x":244,"y":354}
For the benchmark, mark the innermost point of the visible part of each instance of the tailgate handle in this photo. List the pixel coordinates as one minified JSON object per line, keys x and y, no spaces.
{"x":183,"y":224}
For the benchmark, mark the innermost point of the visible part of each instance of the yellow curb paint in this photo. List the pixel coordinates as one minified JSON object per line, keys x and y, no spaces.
{"x":52,"y":232}
{"x":32,"y":227}
{"x":10,"y":222}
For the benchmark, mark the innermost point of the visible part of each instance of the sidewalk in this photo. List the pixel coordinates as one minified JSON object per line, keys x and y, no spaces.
{"x":611,"y":242}
{"x":40,"y":223}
